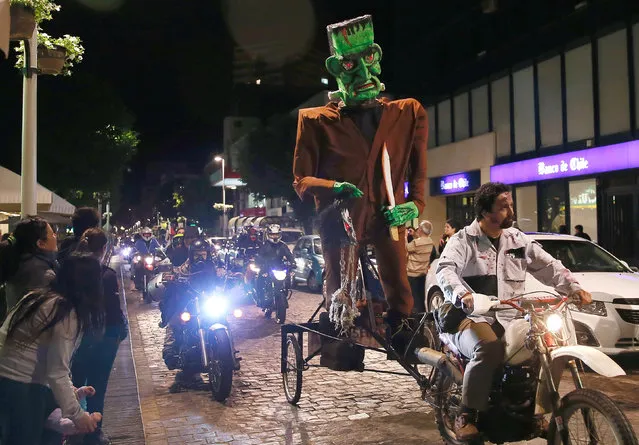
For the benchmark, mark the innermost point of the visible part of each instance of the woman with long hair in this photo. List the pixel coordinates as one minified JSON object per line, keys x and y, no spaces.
{"x":94,"y":359}
{"x":28,"y":261}
{"x":37,"y":341}
{"x":450,"y":228}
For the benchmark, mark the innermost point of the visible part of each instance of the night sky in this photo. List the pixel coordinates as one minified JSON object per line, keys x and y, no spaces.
{"x":170,"y":62}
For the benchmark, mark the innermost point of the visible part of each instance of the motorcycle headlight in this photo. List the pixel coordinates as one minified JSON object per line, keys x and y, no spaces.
{"x":279,"y":274}
{"x":554,"y":323}
{"x":148,"y":260}
{"x":594,"y":308}
{"x":185,"y":317}
{"x":215,"y":306}
{"x":126,"y":251}
{"x":254,"y":268}
{"x":137,"y":259}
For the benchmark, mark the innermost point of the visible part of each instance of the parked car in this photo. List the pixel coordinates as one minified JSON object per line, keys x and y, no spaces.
{"x":611,"y":322}
{"x":291,"y":236}
{"x":309,"y":262}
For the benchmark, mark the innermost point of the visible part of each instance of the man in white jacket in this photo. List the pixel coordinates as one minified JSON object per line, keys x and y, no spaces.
{"x":491,"y":257}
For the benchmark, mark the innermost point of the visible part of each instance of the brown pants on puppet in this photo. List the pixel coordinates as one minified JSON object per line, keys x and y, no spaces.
{"x":390,"y":256}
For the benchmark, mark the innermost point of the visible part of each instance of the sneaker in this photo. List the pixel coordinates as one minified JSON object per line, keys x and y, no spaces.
{"x":465,"y":428}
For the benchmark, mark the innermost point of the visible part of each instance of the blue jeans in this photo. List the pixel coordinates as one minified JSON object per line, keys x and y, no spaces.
{"x":92,"y":365}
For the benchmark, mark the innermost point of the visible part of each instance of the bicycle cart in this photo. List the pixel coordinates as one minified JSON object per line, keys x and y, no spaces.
{"x":293,"y":360}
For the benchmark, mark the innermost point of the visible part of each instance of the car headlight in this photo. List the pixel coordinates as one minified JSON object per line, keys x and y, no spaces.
{"x":279,"y":274}
{"x":554,"y":323}
{"x":215,"y":306}
{"x":254,"y":268}
{"x":594,"y":308}
{"x":148,"y":260}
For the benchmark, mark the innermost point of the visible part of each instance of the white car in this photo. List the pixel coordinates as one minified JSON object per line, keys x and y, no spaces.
{"x":611,"y":322}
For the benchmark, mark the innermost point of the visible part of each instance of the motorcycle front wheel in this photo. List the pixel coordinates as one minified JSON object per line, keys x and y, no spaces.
{"x":280,"y":308}
{"x":590,"y":416}
{"x":145,"y":290}
{"x":220,"y":367}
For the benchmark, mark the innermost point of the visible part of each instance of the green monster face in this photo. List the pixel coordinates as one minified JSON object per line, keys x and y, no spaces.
{"x":355,"y":60}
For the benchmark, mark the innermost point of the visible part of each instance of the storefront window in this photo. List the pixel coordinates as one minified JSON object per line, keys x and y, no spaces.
{"x":583,"y":206}
{"x":461,"y":208}
{"x":526,"y":211}
{"x":553,"y":207}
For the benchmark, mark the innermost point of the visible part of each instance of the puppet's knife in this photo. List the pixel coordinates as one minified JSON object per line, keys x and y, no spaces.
{"x":388,"y":183}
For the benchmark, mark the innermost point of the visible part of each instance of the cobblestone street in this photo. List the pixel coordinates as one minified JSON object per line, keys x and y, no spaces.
{"x":335,"y":408}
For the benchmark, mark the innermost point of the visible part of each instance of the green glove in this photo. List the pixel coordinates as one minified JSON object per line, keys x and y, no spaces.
{"x":348,"y":189}
{"x":401,"y":214}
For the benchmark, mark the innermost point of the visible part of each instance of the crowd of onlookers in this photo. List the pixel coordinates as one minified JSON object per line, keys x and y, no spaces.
{"x":61,"y":328}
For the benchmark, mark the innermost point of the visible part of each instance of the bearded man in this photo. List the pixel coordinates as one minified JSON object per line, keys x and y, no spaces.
{"x":339,"y":152}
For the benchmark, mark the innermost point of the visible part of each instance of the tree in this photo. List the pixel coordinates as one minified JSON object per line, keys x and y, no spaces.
{"x":85,"y":139}
{"x":266,"y":164}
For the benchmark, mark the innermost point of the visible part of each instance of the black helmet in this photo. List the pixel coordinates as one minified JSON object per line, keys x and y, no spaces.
{"x":200,"y":252}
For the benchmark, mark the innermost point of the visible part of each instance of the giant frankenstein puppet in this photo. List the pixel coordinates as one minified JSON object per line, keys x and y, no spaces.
{"x":339,"y":152}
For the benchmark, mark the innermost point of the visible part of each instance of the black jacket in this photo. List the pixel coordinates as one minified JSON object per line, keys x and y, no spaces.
{"x":67,"y":247}
{"x":272,"y":253}
{"x":114,"y":319}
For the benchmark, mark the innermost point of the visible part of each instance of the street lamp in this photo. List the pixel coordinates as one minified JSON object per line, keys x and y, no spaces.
{"x":221,"y":159}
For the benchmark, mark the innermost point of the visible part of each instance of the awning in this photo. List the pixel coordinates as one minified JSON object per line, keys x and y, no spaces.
{"x":11,"y":196}
{"x":232,"y":221}
{"x":52,"y":218}
{"x":259,"y":220}
{"x":5,"y":27}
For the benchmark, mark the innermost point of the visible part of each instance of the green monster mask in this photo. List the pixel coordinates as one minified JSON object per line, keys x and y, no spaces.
{"x":355,"y":60}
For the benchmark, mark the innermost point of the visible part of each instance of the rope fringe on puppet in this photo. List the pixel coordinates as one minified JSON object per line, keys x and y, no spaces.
{"x":343,"y":310}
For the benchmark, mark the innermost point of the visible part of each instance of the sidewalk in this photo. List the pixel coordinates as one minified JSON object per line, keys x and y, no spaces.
{"x":122,"y":417}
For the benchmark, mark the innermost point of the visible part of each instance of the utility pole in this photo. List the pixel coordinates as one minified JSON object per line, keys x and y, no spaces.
{"x":29,"y":173}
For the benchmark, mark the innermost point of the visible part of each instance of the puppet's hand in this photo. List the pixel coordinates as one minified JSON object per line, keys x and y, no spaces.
{"x":348,"y":189}
{"x":401,"y":214}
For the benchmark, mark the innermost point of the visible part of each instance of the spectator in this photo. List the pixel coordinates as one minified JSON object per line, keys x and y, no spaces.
{"x":563,"y":230}
{"x":420,"y":253}
{"x":83,"y":218}
{"x":94,"y":359}
{"x":36,"y":344}
{"x":579,"y":231}
{"x":29,"y":262}
{"x":5,"y":236}
{"x":450,"y":228}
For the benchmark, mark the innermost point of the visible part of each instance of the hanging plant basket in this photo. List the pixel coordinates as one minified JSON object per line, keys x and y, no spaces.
{"x":51,"y":61}
{"x":22,"y":22}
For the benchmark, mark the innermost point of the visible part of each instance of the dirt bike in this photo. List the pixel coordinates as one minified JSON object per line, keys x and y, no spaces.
{"x":539,"y":345}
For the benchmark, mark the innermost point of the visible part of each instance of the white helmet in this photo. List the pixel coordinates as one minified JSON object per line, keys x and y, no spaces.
{"x":274,"y":233}
{"x":146,"y":234}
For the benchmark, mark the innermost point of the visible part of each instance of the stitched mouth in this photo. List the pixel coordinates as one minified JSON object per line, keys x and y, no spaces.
{"x":366,"y":86}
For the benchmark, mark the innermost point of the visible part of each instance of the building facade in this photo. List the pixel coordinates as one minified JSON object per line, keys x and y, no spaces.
{"x":564,"y":132}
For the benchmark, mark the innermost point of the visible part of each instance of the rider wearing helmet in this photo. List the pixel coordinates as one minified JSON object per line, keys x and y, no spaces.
{"x":178,"y":251}
{"x":274,"y":249}
{"x":200,"y":270}
{"x":147,"y":242}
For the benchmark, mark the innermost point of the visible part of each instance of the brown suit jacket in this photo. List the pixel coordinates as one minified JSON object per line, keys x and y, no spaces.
{"x":331,"y":148}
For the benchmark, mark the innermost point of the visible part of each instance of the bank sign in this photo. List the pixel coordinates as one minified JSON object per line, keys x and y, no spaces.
{"x":456,"y":183}
{"x":577,"y":163}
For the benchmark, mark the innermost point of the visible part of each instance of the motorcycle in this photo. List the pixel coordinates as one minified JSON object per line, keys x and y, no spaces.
{"x":145,"y":268}
{"x":272,"y":289}
{"x":204,"y":336}
{"x":539,"y":345}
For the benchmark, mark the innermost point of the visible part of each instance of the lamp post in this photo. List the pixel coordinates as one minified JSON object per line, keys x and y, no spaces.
{"x":221,"y":159}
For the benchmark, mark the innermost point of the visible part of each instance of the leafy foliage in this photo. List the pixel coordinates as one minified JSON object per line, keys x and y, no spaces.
{"x":266,"y":163}
{"x":42,"y":9}
{"x":87,"y":145}
{"x":72,"y":45}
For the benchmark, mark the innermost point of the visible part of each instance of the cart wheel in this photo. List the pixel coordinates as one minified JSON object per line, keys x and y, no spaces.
{"x":292,"y":377}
